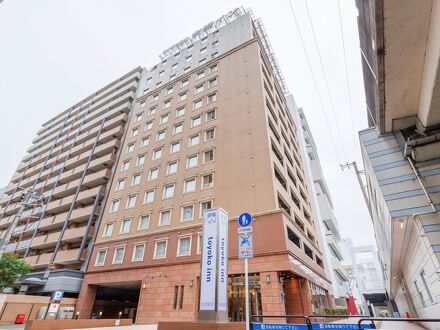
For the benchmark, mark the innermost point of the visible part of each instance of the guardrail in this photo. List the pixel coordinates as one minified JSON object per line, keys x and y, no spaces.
{"x":394,"y":319}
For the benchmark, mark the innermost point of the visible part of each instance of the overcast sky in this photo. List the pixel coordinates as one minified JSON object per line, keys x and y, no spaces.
{"x":55,"y":53}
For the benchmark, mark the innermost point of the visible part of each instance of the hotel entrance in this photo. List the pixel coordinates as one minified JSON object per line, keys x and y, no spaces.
{"x":237,"y":297}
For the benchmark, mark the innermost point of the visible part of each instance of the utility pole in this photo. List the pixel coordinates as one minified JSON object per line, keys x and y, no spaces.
{"x":361,"y":183}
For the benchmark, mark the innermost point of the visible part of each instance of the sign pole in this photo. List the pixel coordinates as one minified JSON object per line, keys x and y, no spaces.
{"x":246,"y":281}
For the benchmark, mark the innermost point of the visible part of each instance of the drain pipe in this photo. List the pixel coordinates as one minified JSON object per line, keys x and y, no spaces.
{"x":423,"y":187}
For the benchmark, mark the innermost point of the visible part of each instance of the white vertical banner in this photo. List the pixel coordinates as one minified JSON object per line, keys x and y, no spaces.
{"x":209,"y":260}
{"x":222,"y":288}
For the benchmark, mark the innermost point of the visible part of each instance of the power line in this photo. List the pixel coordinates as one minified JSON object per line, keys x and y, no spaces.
{"x":325,"y":81}
{"x":346,"y":77}
{"x":314,"y":82}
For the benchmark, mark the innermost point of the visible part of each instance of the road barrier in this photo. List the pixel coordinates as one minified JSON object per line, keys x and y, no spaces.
{"x":394,"y":319}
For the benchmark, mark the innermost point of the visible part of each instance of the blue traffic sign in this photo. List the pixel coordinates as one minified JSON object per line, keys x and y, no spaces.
{"x":244,"y":219}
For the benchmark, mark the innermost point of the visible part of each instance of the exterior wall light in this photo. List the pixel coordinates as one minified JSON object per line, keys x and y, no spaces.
{"x":191,"y":283}
{"x":144,"y":285}
{"x":267,"y":278}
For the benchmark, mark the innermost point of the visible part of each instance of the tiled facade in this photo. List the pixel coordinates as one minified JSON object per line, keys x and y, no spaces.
{"x":219,"y":134}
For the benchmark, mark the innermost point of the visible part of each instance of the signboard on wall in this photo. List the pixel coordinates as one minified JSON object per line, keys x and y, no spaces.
{"x":222,"y":294}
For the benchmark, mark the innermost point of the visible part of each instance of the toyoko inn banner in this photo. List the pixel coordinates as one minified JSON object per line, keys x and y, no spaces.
{"x":214,"y":268}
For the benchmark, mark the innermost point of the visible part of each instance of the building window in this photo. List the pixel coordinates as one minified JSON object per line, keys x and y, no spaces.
{"x":189,"y":185}
{"x":120,"y":184}
{"x":199,"y":243}
{"x":138,"y":252}
{"x":204,"y":39}
{"x":108,"y":229}
{"x":196,"y":121}
{"x":203,"y":50}
{"x":177,"y":55}
{"x":114,"y":207}
{"x":194,"y":140}
{"x":130,"y":148}
{"x":165,"y":218}
{"x":145,"y":142}
{"x":153,"y":174}
{"x":198,"y":104}
{"x":198,"y":89}
{"x":200,"y":75}
{"x":174,"y":66}
{"x":212,"y":98}
{"x":144,"y":222}
{"x":142,"y":104}
{"x":172,"y":167}
{"x":178,"y":128}
{"x":208,"y":156}
{"x":131,"y":202}
{"x":138,"y":117}
{"x":161,"y":73}
{"x":134,"y":131}
{"x":100,"y":257}
{"x":215,"y":43}
{"x":213,"y":68}
{"x":140,"y":160}
{"x":214,"y":55}
{"x":187,"y":213}
{"x":152,"y":111}
{"x":136,"y":179}
{"x":169,"y":91}
{"x":187,"y":69}
{"x":180,"y":112}
{"x":118,"y":257}
{"x":155,"y":97}
{"x":125,"y":226}
{"x":149,"y":197}
{"x":208,"y":181}
{"x":203,"y":60}
{"x":192,"y":161}
{"x":205,"y":205}
{"x":160,"y":249}
{"x":167,"y":104}
{"x":168,"y":191}
{"x":164,"y":118}
{"x":183,"y":96}
{"x":149,"y":80}
{"x":149,"y":125}
{"x":157,"y":153}
{"x":425,"y":285}
{"x":212,"y":83}
{"x":189,"y":58}
{"x":184,"y":83}
{"x":210,"y":115}
{"x":160,"y":135}
{"x":209,"y":134}
{"x":175,"y":147}
{"x":172,"y":76}
{"x":184,"y":246}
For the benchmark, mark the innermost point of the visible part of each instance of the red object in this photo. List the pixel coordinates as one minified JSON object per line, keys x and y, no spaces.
{"x":351,"y":306}
{"x":20,"y":318}
{"x":407,"y":315}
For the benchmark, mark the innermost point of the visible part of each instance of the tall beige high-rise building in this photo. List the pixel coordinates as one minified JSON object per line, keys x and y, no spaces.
{"x":127,"y":173}
{"x":213,"y":129}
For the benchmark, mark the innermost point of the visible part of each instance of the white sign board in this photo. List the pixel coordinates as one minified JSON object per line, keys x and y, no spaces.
{"x":222,"y":289}
{"x":209,"y":260}
{"x":245,"y":246}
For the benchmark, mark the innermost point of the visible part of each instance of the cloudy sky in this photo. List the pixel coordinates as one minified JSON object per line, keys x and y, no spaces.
{"x":56,"y":52}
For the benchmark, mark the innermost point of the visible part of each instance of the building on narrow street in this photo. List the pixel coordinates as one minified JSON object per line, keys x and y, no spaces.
{"x":401,"y":149}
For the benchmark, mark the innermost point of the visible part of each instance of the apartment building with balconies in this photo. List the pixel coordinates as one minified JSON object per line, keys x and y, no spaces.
{"x":213,"y":128}
{"x":49,"y":210}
